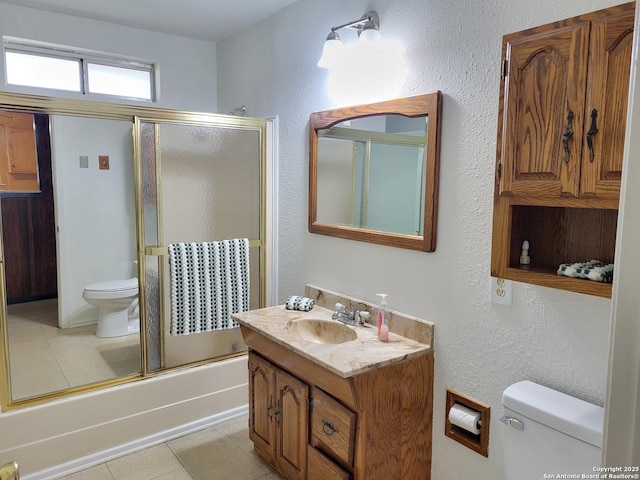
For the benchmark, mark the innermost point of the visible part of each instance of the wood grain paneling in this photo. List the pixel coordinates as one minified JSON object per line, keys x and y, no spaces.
{"x":28,"y":229}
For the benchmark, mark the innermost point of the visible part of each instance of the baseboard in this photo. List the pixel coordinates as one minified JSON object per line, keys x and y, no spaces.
{"x":125,"y":449}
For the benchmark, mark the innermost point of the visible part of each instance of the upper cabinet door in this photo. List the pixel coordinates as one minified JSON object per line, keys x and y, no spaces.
{"x":543,"y":101}
{"x":18,"y":154}
{"x":606,"y":105}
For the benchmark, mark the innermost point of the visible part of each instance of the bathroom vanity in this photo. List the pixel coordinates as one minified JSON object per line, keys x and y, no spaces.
{"x":327,"y":404}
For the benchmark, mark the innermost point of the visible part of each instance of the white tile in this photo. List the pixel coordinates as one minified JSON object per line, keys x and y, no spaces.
{"x":99,"y":472}
{"x":181,"y":474}
{"x":145,"y":465}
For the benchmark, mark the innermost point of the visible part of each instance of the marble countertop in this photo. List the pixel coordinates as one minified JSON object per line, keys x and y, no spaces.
{"x":346,"y":359}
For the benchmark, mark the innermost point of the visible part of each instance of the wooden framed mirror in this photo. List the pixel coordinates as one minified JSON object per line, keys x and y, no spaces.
{"x":373,"y":172}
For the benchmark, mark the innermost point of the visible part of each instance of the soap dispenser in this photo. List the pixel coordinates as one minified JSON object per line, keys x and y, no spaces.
{"x":383,"y":318}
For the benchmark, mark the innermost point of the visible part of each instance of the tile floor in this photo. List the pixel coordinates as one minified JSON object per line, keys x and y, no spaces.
{"x":222,"y":452}
{"x":45,"y":358}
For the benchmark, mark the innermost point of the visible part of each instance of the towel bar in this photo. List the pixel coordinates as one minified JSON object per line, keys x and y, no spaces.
{"x":160,"y":251}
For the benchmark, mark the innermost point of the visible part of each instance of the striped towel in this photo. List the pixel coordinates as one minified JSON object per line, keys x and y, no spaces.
{"x":209,"y":282}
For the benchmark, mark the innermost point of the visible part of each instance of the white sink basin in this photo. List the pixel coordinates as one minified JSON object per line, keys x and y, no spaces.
{"x":321,"y":331}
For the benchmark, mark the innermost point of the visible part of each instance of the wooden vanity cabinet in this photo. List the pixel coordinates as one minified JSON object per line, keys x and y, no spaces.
{"x":376,"y":424}
{"x":278,"y":417}
{"x":561,"y":127}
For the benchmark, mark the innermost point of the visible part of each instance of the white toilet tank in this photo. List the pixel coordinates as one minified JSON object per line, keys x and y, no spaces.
{"x":549,"y":433}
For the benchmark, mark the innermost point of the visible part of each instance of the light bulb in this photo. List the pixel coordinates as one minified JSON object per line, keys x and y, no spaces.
{"x":369,"y":35}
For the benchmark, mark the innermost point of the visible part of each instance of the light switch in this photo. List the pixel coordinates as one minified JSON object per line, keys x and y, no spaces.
{"x":501,"y":291}
{"x":103,"y":160}
{"x":84,"y":161}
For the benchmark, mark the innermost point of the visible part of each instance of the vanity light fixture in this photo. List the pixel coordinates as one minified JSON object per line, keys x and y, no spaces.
{"x":368,"y":30}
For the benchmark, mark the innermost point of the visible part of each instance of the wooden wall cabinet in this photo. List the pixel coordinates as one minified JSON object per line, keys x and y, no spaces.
{"x":18,"y":156}
{"x":309,"y":423}
{"x":563,"y":105}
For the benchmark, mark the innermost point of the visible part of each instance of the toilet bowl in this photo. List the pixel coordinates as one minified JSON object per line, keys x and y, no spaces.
{"x":118,"y":302}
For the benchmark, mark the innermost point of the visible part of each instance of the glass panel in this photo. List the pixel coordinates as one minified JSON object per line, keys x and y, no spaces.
{"x":150,"y":225}
{"x":210,"y":188}
{"x":153,"y":314}
{"x":82,"y":231}
{"x":41,"y":71}
{"x":125,"y":82}
{"x":210,"y":183}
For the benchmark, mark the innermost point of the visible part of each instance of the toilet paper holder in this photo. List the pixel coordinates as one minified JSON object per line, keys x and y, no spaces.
{"x":464,"y":432}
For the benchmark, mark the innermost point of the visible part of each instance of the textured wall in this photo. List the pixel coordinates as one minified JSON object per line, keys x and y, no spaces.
{"x":556,"y":338}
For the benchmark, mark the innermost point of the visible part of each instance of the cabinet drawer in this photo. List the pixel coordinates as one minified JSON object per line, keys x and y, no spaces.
{"x":332,"y":427}
{"x":320,"y":467}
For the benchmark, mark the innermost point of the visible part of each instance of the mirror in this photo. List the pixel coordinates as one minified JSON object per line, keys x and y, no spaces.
{"x":55,"y":243}
{"x":373,"y":172}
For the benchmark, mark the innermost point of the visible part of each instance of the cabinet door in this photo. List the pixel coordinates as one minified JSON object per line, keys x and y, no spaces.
{"x":292,"y":433}
{"x":262,"y":401}
{"x":543,"y":102}
{"x":18,"y":158}
{"x":607,"y":97}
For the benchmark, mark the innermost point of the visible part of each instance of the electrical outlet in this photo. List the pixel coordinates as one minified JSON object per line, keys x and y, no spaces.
{"x":501,"y":291}
{"x":84,"y":161}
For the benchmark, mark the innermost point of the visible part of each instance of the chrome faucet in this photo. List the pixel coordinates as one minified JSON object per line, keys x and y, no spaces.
{"x":355,"y":317}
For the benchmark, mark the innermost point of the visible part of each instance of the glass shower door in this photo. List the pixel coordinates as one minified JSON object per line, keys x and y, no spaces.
{"x":202,"y":181}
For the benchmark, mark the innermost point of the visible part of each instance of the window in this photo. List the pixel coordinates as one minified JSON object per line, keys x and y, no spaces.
{"x":67,"y":70}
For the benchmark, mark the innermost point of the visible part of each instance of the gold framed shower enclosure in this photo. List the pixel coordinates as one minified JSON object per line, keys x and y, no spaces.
{"x":148,"y":248}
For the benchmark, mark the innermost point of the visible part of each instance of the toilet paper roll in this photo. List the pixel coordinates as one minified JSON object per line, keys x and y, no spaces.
{"x":465,"y":417}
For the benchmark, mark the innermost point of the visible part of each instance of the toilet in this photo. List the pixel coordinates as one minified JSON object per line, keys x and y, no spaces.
{"x":118,"y":302}
{"x":549,"y":433}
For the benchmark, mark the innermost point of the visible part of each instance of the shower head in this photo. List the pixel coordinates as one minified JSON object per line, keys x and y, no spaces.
{"x":241,"y":111}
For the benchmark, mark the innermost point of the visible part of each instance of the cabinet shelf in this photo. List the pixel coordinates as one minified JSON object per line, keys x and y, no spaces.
{"x":547,"y":277}
{"x":556,"y":235}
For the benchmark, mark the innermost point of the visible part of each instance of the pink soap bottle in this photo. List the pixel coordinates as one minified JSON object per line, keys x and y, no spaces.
{"x":383,"y":318}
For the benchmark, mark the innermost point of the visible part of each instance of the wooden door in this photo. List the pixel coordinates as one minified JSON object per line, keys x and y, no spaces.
{"x":606,"y":105}
{"x":292,"y":434}
{"x":542,"y":103}
{"x":262,"y":401}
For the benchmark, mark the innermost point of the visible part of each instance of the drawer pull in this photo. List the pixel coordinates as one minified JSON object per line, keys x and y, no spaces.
{"x":328,"y":428}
